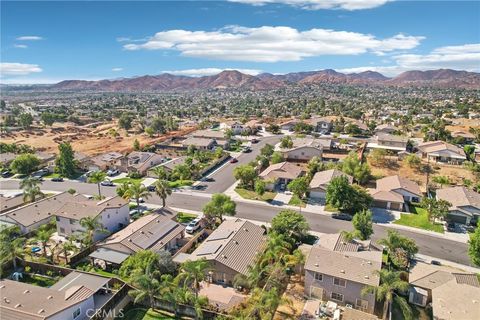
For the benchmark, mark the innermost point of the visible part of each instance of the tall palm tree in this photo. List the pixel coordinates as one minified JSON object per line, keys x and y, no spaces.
{"x":11,"y":247}
{"x":163,"y":190}
{"x":391,"y":284}
{"x":146,"y":288}
{"x":137,"y":191}
{"x":160,"y":172}
{"x":192,"y":273}
{"x":31,"y":189}
{"x":43,"y":236}
{"x":122,"y":189}
{"x":97,"y":177}
{"x":66,"y":247}
{"x":91,"y":225}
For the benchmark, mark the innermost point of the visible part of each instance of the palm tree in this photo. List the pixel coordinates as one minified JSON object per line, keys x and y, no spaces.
{"x":11,"y":247}
{"x":31,"y":189}
{"x":160,"y":172}
{"x":97,"y":177}
{"x":192,"y":273}
{"x":66,"y":247}
{"x":43,"y":236}
{"x":163,"y":190}
{"x":122,"y":189}
{"x":137,"y":191}
{"x":91,"y":225}
{"x":146,"y":288}
{"x":390,"y":284}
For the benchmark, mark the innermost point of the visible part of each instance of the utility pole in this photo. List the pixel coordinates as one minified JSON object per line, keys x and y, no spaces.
{"x":428,"y":175}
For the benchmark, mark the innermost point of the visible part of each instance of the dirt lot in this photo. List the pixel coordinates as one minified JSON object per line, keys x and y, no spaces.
{"x":85,"y":139}
{"x":463,"y":124}
{"x":294,"y":294}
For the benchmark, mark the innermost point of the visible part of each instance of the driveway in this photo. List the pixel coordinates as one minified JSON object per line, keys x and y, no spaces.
{"x":384,"y":216}
{"x":282,"y":199}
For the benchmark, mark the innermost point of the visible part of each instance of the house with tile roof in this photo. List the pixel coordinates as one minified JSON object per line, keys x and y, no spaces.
{"x":304,"y":149}
{"x":394,"y":192}
{"x":278,"y":175}
{"x":465,"y":204}
{"x":231,"y":249}
{"x":338,"y":270}
{"x":321,"y":180}
{"x":441,"y":151}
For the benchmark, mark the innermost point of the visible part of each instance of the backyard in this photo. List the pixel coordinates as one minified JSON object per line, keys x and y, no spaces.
{"x":252,"y":195}
{"x":418,"y":218}
{"x":132,"y":312}
{"x":37,"y":280}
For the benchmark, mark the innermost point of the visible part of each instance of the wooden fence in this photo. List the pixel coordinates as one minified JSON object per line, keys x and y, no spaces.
{"x":194,"y":240}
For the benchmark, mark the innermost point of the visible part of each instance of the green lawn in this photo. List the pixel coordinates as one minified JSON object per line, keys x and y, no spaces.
{"x":38,"y":280}
{"x":296,"y":201}
{"x":252,"y":195}
{"x":127,"y":179}
{"x":330,"y":208}
{"x":134,"y":313}
{"x":57,"y":175}
{"x":86,"y":266}
{"x":418,"y":219}
{"x":183,"y":217}
{"x":180,"y":183}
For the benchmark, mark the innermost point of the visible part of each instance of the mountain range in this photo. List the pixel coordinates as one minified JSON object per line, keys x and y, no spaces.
{"x":232,"y":79}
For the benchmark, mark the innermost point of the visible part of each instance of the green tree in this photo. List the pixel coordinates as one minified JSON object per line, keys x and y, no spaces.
{"x":65,"y":162}
{"x":31,"y":189}
{"x":25,"y":164}
{"x":247,"y":175}
{"x":160,"y":172}
{"x":314,"y":165}
{"x":97,"y":177}
{"x":286,"y":142}
{"x":136,"y":145}
{"x":11,"y":247}
{"x":92,"y":226}
{"x":378,"y":157}
{"x":192,"y":273}
{"x":267,"y":150}
{"x":136,"y":191}
{"x":441,"y":180}
{"x":363,"y":225}
{"x":413,"y":161}
{"x":469,"y":152}
{"x":436,"y":209}
{"x":298,"y":186}
{"x":146,"y":288}
{"x":125,"y":121}
{"x":260,"y":187}
{"x":182,"y":172}
{"x":163,"y":190}
{"x":25,"y":120}
{"x":219,"y":206}
{"x":48,"y":118}
{"x":391,"y":286}
{"x":474,"y":247}
{"x":359,"y":171}
{"x":345,"y":197}
{"x":122,"y":189}
{"x":43,"y":235}
{"x":400,"y":249}
{"x":276,"y":157}
{"x":292,"y":223}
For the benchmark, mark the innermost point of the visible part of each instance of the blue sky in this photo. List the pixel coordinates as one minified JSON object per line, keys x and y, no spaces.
{"x":45,"y":42}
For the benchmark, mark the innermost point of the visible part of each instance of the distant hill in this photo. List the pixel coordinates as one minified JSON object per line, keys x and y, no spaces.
{"x":234,"y":79}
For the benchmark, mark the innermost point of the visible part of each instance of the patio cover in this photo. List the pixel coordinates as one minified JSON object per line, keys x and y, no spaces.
{"x":108,"y":255}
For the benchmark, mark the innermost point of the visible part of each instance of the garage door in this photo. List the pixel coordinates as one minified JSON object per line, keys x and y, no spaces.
{"x":380,"y":204}
{"x":396,"y":206}
{"x":317,"y":194}
{"x":457,"y":219}
{"x":316,"y":292}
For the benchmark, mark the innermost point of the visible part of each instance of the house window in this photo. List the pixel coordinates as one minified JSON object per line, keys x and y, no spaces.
{"x":76,"y":313}
{"x":57,"y":218}
{"x":72,"y":221}
{"x":337,"y":296}
{"x":361,"y":304}
{"x":62,"y":230}
{"x":108,"y":216}
{"x":318,"y":276}
{"x":340,"y":282}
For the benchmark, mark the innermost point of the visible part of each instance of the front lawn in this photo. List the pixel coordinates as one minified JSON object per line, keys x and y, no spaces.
{"x":133,"y":312}
{"x":418,"y":218}
{"x":183,"y":217}
{"x":180,"y":183}
{"x":252,"y":195}
{"x":330,"y":208}
{"x":76,"y":175}
{"x":127,"y":179}
{"x":296,"y":201}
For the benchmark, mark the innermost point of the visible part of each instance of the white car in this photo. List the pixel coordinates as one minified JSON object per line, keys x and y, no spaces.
{"x":193,"y":226}
{"x":112,"y":173}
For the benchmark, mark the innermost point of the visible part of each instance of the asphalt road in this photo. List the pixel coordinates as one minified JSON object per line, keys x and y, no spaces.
{"x":223,"y":178}
{"x":428,"y":245}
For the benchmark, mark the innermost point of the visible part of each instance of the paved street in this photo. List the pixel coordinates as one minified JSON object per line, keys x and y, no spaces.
{"x":428,"y":245}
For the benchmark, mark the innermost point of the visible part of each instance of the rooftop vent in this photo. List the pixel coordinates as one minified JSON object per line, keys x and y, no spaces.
{"x":342,"y":271}
{"x":236,"y":242}
{"x":224,"y":256}
{"x":129,"y":240}
{"x":245,"y":229}
{"x":366,"y":277}
{"x":6,"y":300}
{"x":26,"y":291}
{"x":18,"y":305}
{"x":316,"y":264}
{"x":49,"y":297}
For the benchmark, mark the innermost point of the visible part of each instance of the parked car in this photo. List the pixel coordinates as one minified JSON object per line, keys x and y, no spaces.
{"x":107,"y":183}
{"x":247,"y":150}
{"x":112,"y":172}
{"x":6,"y":174}
{"x":233,"y":160}
{"x":342,"y":216}
{"x":141,"y":200}
{"x":254,"y":140}
{"x":436,"y":263}
{"x":194,"y":225}
{"x":57,"y":179}
{"x":151,"y":188}
{"x":451,"y":226}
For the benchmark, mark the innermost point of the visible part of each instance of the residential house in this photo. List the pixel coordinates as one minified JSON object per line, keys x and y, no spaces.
{"x":82,"y":160}
{"x":321,"y":180}
{"x":171,"y":164}
{"x":253,"y":126}
{"x":322,"y":125}
{"x":289,"y":125}
{"x":75,"y":297}
{"x":338,"y":270}
{"x":440,"y":151}
{"x":200,"y":143}
{"x":467,"y":137}
{"x":385,"y":129}
{"x":9,"y":203}
{"x":394,"y":192}
{"x":112,"y":213}
{"x":452,"y":293}
{"x":280,"y":174}
{"x":236,"y":126}
{"x":231,"y":249}
{"x":388,"y":142}
{"x":465,"y":203}
{"x":104,"y":161}
{"x":140,"y":162}
{"x":156,"y":231}
{"x":219,"y":136}
{"x":304,"y":149}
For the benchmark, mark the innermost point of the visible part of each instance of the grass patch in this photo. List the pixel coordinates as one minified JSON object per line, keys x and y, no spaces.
{"x":419,"y":219}
{"x":183,"y":217}
{"x":296,"y":201}
{"x":37,"y":280}
{"x":132,"y":312}
{"x":252,"y":195}
{"x":330,"y":208}
{"x":130,"y":180}
{"x":52,"y":175}
{"x":87,"y":267}
{"x":418,"y":313}
{"x":180,"y":183}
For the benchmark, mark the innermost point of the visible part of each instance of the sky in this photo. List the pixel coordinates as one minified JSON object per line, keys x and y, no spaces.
{"x":47,"y":42}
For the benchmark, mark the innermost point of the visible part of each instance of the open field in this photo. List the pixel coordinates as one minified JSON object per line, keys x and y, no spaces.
{"x":85,"y":139}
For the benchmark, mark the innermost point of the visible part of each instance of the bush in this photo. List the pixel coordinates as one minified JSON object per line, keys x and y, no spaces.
{"x":135,"y":175}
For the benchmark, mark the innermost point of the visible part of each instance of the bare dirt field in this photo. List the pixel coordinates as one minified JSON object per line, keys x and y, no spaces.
{"x":464,"y":125}
{"x":85,"y":139}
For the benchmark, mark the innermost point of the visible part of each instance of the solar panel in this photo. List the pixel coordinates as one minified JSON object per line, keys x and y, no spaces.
{"x":208,"y":248}
{"x":220,"y":235}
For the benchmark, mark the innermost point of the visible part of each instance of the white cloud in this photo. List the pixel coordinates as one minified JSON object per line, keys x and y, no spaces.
{"x":272,"y":44}
{"x":117,"y":69}
{"x":11,"y":68}
{"x":321,"y":4}
{"x":209,"y":71}
{"x":29,"y":38}
{"x":21,"y":46}
{"x":463,"y":57}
